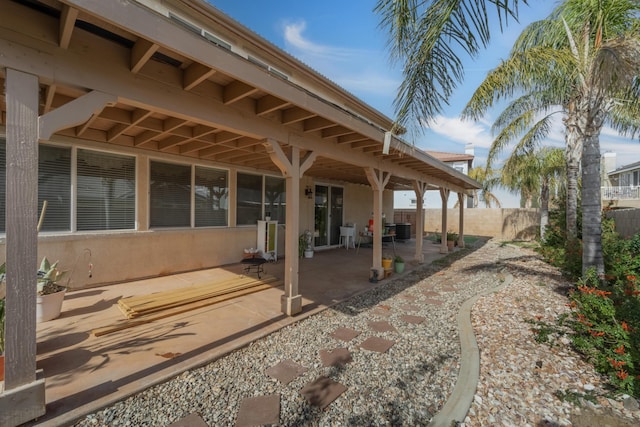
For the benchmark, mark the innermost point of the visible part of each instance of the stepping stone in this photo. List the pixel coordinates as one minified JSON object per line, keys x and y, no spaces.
{"x":416,"y":320}
{"x":191,"y":420}
{"x":431,"y":294}
{"x":377,"y":344}
{"x":410,"y":307}
{"x":259,"y":410}
{"x":408,"y":297}
{"x":345,"y":334}
{"x":448,"y":289}
{"x":382,"y":326}
{"x":286,"y":371}
{"x":322,"y":392}
{"x":433,"y":301}
{"x":335,"y":357}
{"x":384,"y":312}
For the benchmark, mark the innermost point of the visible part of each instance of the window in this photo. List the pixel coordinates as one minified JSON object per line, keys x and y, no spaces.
{"x":274,"y":198}
{"x":211,"y":197}
{"x":54,"y":186}
{"x":170,"y":195}
{"x":106,"y":191}
{"x":253,"y":203}
{"x":249,"y":204}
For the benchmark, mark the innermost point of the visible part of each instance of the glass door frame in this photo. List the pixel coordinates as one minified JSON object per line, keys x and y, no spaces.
{"x":328,"y":214}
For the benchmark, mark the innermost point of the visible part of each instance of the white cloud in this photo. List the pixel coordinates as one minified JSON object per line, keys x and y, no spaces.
{"x":463,"y":131}
{"x":359,"y":71}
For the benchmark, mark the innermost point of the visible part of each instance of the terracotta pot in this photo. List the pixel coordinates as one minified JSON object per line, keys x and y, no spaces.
{"x":450,"y":245}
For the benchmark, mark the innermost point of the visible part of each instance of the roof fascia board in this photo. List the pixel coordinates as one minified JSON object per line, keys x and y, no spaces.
{"x":56,"y":65}
{"x":147,"y":24}
{"x":207,"y":10}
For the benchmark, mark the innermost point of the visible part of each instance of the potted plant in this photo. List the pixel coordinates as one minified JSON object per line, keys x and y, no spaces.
{"x":50,"y":294}
{"x":398,"y":264}
{"x":451,"y":240}
{"x":386,"y":262}
{"x":305,"y":244}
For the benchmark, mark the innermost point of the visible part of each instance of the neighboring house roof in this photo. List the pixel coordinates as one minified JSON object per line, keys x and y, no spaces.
{"x":626,"y":168}
{"x":212,"y":96}
{"x":450,"y":157}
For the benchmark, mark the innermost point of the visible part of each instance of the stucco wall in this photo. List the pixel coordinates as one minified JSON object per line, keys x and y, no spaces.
{"x":506,"y":224}
{"x":130,"y":255}
{"x":627,"y":221}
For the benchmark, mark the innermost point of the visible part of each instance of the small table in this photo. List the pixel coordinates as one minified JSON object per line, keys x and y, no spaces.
{"x":385,"y":238}
{"x":256,"y":263}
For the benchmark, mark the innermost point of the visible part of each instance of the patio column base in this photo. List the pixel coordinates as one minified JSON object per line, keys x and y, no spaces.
{"x":24,"y":403}
{"x":291,"y":305}
{"x":444,"y":250}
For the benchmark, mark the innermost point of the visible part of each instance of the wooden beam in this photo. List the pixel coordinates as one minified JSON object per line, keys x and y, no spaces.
{"x":236,"y":90}
{"x":336,"y":131}
{"x":73,"y":113}
{"x":317,"y":123}
{"x":67,"y":22}
{"x":50,"y":93}
{"x":270,"y":103}
{"x":294,"y":115}
{"x":195,"y":74}
{"x":141,"y":52}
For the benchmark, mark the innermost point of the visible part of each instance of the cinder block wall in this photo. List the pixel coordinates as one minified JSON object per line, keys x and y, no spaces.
{"x":506,"y":224}
{"x":627,"y":221}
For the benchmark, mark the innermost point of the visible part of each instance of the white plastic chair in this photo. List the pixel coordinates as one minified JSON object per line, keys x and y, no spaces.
{"x":347,"y":237}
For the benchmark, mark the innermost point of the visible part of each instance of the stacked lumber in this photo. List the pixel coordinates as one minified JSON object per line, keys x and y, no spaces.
{"x":143,"y":309}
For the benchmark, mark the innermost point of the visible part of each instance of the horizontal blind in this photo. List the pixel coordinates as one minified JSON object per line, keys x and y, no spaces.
{"x":211,"y":196}
{"x":170,"y":195}
{"x":106,"y":191}
{"x":54,"y":186}
{"x":249,"y":199}
{"x":275,"y":198}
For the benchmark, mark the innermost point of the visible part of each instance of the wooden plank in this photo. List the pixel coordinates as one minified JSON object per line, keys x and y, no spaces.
{"x":162,"y":300}
{"x":125,"y":324}
{"x":183,"y":301}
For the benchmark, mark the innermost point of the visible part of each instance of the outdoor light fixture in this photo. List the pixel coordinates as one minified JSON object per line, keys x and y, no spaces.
{"x":308,"y":192}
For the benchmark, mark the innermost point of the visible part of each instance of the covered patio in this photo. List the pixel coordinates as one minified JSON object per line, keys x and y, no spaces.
{"x":85,"y":372}
{"x":161,"y":105}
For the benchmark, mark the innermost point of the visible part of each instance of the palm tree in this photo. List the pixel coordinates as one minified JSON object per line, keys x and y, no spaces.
{"x":488,"y":179}
{"x":535,"y":174}
{"x":583,"y":59}
{"x":423,"y":36}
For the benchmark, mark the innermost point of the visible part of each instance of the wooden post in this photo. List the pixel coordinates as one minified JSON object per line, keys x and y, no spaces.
{"x":461,"y":220}
{"x":444,"y":195}
{"x":23,"y":397}
{"x":419,"y":187}
{"x":292,"y":168}
{"x":378,"y":180}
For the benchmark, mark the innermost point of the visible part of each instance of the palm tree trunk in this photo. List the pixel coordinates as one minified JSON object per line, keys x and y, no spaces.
{"x":544,"y":206}
{"x":591,"y":205}
{"x":572,"y":154}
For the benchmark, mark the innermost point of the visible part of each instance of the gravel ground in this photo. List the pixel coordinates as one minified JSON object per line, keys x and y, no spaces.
{"x":410,"y":382}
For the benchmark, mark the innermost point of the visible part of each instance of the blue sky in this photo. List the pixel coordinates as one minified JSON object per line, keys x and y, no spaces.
{"x":342,"y":41}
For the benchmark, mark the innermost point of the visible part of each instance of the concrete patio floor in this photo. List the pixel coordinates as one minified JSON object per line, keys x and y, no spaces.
{"x":84,"y":372}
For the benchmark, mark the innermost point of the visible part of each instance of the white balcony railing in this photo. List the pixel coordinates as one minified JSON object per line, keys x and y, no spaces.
{"x":621,"y":193}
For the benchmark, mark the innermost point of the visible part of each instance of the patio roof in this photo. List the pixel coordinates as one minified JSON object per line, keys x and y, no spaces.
{"x":191,"y":95}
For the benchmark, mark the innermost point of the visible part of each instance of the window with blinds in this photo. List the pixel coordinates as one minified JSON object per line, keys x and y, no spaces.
{"x":211,"y":197}
{"x":274,"y":198}
{"x":106,"y":189}
{"x":54,"y":186}
{"x":249,"y":199}
{"x":170,"y":195}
